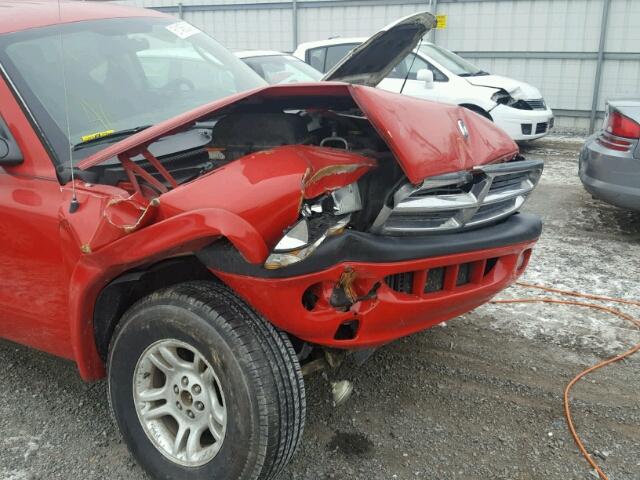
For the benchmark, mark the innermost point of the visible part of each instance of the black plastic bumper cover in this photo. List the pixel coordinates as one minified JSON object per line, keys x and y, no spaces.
{"x":364,"y":247}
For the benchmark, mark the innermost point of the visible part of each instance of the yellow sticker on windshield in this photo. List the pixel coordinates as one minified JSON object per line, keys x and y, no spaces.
{"x":93,"y":136}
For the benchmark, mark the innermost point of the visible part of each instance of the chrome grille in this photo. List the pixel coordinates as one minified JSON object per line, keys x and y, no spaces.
{"x":537,"y":104}
{"x":459,"y":200}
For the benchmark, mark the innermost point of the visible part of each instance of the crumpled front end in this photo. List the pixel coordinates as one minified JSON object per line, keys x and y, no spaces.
{"x":362,"y":290}
{"x":348,"y":216}
{"x":400,"y":249}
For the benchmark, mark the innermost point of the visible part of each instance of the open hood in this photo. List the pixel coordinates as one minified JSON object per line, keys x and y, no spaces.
{"x":431,"y":138}
{"x":515,"y":88}
{"x":370,"y":62}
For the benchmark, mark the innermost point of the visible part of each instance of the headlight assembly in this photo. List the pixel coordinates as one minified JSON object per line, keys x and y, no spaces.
{"x":339,"y":202}
{"x":502,"y":97}
{"x":322,"y":217}
{"x":283,"y":255}
{"x":297,"y":237}
{"x":346,"y":199}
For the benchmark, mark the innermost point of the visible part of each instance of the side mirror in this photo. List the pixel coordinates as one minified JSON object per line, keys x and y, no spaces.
{"x":425,"y":75}
{"x":10,"y":154}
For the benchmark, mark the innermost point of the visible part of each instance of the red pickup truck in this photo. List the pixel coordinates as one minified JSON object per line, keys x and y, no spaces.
{"x":170,"y":222}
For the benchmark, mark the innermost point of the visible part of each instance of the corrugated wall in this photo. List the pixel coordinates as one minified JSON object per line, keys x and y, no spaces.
{"x":509,"y":37}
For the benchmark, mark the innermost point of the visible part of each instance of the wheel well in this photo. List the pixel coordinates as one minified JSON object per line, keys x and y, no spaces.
{"x":477,"y":109}
{"x":131,"y":286}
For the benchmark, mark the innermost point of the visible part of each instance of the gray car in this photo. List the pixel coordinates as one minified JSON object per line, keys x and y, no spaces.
{"x":610,"y":159}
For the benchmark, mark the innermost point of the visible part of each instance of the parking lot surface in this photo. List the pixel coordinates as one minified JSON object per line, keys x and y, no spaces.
{"x":478,"y":399}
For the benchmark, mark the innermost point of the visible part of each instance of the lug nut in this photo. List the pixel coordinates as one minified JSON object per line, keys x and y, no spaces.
{"x":197,"y":389}
{"x":185,"y":381}
{"x":178,"y":405}
{"x":199,"y":406}
{"x":190,"y":414}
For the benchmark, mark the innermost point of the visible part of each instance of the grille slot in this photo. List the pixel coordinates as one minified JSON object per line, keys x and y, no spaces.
{"x":541,"y":127}
{"x":537,"y":104}
{"x":400,"y":282}
{"x":431,"y":221}
{"x":489,"y":266}
{"x":447,"y":190}
{"x":435,"y":280}
{"x":453,"y":202}
{"x":464,"y":274}
{"x":511,"y":180}
{"x":442,"y":279}
{"x":492,"y":211}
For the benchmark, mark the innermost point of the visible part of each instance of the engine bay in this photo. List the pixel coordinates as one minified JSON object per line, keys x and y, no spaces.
{"x":212,"y":143}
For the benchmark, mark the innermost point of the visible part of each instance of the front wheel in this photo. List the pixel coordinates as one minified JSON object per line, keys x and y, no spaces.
{"x":202,"y":387}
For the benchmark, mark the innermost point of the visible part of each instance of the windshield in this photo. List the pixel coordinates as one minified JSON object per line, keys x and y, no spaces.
{"x":283,"y":69}
{"x":120,"y":75}
{"x":452,"y":62}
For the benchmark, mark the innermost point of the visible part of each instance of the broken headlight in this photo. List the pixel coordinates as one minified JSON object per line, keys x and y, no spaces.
{"x":302,"y":235}
{"x":502,"y":97}
{"x":338,"y":202}
{"x":346,"y":199}
{"x":321,"y":218}
{"x":512,"y":99}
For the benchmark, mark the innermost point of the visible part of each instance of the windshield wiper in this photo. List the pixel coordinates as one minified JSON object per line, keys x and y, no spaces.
{"x":100,"y":137}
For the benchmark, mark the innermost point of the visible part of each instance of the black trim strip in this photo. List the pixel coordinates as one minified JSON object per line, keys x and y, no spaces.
{"x":365,"y":247}
{"x":26,"y":111}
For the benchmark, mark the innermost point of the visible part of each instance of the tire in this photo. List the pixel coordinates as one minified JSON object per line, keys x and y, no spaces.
{"x":252,"y":391}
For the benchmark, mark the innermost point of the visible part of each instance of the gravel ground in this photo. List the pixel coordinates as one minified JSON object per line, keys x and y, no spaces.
{"x":479,"y":399}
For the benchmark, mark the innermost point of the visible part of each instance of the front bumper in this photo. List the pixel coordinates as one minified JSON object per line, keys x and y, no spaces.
{"x":518,"y":122}
{"x":610,"y":175}
{"x":446,"y":276}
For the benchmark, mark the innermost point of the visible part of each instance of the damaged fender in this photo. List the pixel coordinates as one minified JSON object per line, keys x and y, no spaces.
{"x":112,"y":232}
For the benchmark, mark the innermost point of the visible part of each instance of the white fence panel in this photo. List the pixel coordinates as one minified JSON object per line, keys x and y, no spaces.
{"x":515,"y":38}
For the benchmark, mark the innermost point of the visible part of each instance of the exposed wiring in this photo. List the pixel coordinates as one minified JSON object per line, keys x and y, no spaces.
{"x":604,"y":363}
{"x":578,"y":294}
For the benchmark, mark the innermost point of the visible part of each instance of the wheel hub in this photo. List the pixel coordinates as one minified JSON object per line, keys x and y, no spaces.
{"x":180,"y":402}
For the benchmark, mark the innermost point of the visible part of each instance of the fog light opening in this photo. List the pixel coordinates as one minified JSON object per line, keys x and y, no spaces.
{"x":310,"y":298}
{"x":523,"y":260}
{"x":347,"y":330}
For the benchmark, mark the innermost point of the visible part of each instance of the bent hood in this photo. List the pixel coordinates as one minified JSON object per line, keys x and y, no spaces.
{"x":517,"y":89}
{"x":430,"y":138}
{"x":427,"y":138}
{"x":369,"y":63}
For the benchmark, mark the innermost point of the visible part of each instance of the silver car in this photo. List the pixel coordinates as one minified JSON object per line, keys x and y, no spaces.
{"x":609,"y":165}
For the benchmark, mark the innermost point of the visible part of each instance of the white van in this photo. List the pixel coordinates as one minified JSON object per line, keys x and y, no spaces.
{"x":435,"y":73}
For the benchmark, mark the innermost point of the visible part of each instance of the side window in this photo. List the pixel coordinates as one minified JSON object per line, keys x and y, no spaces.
{"x":438,"y":76}
{"x":400,"y":71}
{"x":316,"y":58}
{"x":337,"y":53}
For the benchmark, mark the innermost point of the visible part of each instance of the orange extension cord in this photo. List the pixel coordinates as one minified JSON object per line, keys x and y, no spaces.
{"x":567,"y":390}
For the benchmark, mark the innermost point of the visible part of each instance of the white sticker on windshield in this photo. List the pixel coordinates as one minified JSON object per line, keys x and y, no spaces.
{"x":182,"y":29}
